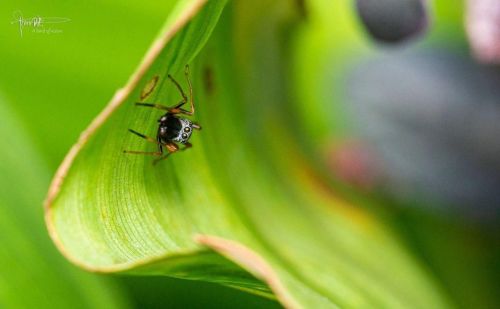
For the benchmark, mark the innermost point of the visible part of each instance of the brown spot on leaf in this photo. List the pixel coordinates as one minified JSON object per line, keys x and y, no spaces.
{"x":208,"y":80}
{"x":150,"y":86}
{"x":301,"y":8}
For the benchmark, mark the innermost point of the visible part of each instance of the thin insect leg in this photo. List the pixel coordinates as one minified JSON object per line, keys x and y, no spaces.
{"x":160,"y":158}
{"x":184,"y":97}
{"x":171,"y":147}
{"x":173,"y":110}
{"x":177,"y":108}
{"x":191,"y":111}
{"x":150,"y":153}
{"x":149,"y":139}
{"x":186,"y":146}
{"x":158,"y":106}
{"x":158,"y":139}
{"x":196,"y":126}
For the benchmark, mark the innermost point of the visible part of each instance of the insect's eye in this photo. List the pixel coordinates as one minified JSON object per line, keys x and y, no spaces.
{"x":184,"y":135}
{"x":187,"y":129}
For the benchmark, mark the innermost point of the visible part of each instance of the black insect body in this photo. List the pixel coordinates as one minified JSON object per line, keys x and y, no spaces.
{"x":172,"y":129}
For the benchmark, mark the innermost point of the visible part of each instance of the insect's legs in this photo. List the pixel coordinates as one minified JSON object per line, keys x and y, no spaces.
{"x":158,"y":106}
{"x":184,"y":97}
{"x":186,"y":73}
{"x":149,"y":139}
{"x":177,"y":108}
{"x":171,"y":149}
{"x":196,"y":126}
{"x":151,"y":153}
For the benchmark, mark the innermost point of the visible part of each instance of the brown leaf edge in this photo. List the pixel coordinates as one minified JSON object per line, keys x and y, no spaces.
{"x":250,"y":261}
{"x":241,"y":255}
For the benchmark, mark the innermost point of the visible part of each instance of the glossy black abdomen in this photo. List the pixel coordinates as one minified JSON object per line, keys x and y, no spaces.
{"x":170,"y":126}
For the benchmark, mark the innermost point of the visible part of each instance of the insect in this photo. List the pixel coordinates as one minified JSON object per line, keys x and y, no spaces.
{"x":172,"y":129}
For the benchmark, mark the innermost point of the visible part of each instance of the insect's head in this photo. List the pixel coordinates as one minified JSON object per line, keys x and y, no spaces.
{"x":185,"y":131}
{"x":176,"y":129}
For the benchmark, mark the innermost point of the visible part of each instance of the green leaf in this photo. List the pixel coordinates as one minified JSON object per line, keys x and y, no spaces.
{"x":32,"y":273}
{"x":244,"y":207}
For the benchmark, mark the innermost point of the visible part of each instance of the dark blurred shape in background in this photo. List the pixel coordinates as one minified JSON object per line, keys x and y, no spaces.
{"x":393,"y":20}
{"x":432,"y":119}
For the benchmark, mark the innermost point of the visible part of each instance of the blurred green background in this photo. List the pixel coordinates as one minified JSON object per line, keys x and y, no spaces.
{"x":53,"y":85}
